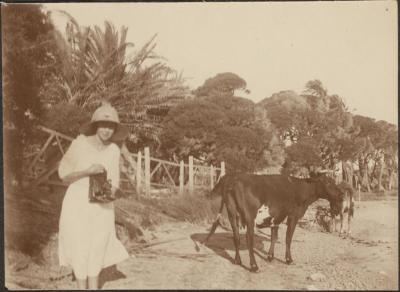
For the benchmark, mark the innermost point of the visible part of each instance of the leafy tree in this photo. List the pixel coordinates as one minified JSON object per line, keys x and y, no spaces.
{"x":28,"y":58}
{"x":389,"y":154}
{"x":240,"y":147}
{"x":240,"y":111}
{"x":92,"y":62}
{"x":286,"y":110}
{"x":378,"y":143}
{"x":331,"y":124}
{"x":316,"y":117}
{"x":66,"y":118}
{"x":304,"y":153}
{"x":190,"y":129}
{"x":316,"y":95}
{"x":222,"y":84}
{"x":214,"y":130}
{"x":298,"y":126}
{"x":95,"y":68}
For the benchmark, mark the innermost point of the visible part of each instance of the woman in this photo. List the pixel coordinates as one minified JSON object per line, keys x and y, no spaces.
{"x":87,"y":238}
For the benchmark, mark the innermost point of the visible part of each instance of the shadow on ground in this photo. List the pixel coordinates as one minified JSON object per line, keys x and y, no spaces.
{"x":219,"y":243}
{"x":110,"y":274}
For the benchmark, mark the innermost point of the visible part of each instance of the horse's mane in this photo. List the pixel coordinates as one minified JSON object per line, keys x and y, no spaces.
{"x":307,"y":179}
{"x":314,"y":179}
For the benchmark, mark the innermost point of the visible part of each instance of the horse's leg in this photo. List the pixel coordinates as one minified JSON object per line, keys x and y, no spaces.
{"x":292,"y":222}
{"x":274,"y":238}
{"x":341,"y":223}
{"x":250,"y":239}
{"x":348,"y":224}
{"x":350,"y":215}
{"x":234,"y":224}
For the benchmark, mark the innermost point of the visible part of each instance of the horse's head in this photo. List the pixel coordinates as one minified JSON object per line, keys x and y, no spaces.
{"x":328,"y":189}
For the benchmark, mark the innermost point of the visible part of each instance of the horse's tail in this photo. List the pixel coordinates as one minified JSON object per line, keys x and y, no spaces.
{"x":223,"y":185}
{"x":216,"y":221}
{"x":217,"y":190}
{"x":237,"y":196}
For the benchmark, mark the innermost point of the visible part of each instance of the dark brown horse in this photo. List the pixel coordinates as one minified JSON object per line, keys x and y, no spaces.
{"x":283,"y":196}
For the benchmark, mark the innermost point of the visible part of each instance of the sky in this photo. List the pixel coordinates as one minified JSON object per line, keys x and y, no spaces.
{"x":350,"y":46}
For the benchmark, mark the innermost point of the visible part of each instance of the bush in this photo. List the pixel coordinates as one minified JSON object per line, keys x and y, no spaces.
{"x":195,"y":208}
{"x":27,"y":59}
{"x":66,"y":118}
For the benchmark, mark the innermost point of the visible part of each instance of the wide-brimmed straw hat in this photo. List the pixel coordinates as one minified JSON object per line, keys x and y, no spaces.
{"x":106,"y":113}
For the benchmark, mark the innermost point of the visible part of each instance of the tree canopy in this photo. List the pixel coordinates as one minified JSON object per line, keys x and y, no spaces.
{"x":219,"y":129}
{"x":29,"y":57}
{"x":58,"y":79}
{"x":221,"y":84}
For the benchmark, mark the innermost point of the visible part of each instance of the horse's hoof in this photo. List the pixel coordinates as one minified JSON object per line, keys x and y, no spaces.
{"x":254,"y":269}
{"x":289,"y":261}
{"x":270,"y":258}
{"x":238,"y":261}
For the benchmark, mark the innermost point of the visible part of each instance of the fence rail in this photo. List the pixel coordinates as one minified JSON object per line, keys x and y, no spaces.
{"x":138,"y":171}
{"x":145,"y":171}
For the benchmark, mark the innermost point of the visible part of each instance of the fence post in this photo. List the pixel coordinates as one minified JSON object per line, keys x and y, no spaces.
{"x":191,"y":174}
{"x":222,"y":169}
{"x":212,"y":176}
{"x":181,"y":177}
{"x":147,"y":170}
{"x":139,"y":172}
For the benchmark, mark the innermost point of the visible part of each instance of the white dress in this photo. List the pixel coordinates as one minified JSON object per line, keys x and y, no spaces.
{"x":87,"y":238}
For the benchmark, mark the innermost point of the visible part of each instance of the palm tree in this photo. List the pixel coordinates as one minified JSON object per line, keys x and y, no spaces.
{"x":316,"y":94}
{"x":95,"y":67}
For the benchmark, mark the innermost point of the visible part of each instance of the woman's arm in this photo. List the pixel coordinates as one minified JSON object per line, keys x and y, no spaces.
{"x":67,"y":170}
{"x":76,"y":175}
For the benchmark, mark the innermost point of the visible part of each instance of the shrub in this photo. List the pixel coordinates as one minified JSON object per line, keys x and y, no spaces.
{"x":66,"y":118}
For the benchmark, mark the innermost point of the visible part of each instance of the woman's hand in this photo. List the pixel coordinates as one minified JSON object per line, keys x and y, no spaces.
{"x":95,"y":169}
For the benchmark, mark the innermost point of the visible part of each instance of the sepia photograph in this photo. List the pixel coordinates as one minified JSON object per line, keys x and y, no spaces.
{"x":201,"y":145}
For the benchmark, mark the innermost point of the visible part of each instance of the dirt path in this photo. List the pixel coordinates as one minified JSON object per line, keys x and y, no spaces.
{"x":367,"y":260}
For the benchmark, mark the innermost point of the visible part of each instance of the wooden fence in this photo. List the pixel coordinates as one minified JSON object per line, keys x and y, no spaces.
{"x":146,"y":172}
{"x":139,"y":171}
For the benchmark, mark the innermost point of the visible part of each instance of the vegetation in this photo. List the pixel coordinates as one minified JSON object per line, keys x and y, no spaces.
{"x":57,"y":80}
{"x":65,"y":77}
{"x":28,"y":60}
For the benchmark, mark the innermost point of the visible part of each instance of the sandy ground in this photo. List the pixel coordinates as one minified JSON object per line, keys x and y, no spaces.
{"x":368,"y":259}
